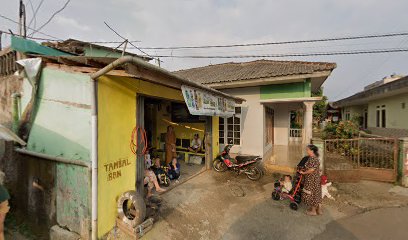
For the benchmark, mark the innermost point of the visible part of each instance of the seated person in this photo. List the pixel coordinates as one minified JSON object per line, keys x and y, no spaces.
{"x":157,"y":168}
{"x":286,"y":184}
{"x":174,"y":169}
{"x":195,"y":144}
{"x":151,"y":181}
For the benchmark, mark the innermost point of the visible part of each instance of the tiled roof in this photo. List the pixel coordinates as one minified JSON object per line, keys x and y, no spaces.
{"x":230,"y":72}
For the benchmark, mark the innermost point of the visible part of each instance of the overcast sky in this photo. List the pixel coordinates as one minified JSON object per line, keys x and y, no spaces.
{"x":203,"y":22}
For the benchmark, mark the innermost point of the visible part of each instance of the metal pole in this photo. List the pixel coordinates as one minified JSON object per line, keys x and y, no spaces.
{"x":50,"y":158}
{"x":94,"y":158}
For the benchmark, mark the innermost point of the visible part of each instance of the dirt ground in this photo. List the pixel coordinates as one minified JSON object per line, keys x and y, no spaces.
{"x":222,"y":206}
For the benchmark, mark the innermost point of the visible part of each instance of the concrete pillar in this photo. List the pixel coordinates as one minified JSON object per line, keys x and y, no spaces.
{"x":308,"y":122}
{"x":404,"y":151}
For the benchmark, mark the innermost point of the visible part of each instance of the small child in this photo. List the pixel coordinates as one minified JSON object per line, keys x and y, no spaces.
{"x":174,"y":169}
{"x":286,"y":184}
{"x":325,"y":187}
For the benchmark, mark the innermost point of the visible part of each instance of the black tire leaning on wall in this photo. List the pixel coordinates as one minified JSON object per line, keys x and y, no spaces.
{"x":132,"y":217}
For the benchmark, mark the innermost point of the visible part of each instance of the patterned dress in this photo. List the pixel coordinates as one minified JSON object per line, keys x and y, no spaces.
{"x":312,"y":194}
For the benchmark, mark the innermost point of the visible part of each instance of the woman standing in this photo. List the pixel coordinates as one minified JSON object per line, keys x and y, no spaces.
{"x":312,"y":190}
{"x":4,"y":204}
{"x":170,"y":144}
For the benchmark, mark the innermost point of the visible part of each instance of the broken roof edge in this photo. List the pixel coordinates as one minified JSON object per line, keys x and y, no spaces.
{"x":138,"y":62}
{"x":83,"y":44}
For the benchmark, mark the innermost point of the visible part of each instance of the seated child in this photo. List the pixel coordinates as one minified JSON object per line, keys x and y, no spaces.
{"x":286,"y":184}
{"x":174,"y":169}
{"x":151,"y":181}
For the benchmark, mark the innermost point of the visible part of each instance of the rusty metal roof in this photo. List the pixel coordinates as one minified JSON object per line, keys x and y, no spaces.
{"x":230,"y":72}
{"x":80,"y":61}
{"x":77,"y":47}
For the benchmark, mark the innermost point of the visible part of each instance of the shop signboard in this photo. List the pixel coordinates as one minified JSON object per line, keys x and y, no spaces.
{"x":200,"y":102}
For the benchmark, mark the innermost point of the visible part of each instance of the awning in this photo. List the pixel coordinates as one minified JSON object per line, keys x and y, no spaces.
{"x":28,"y":46}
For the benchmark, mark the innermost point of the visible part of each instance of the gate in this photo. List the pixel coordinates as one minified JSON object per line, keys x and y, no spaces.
{"x":361,"y":158}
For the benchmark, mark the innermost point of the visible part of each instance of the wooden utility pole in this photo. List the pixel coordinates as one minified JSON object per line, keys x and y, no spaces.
{"x":0,"y":40}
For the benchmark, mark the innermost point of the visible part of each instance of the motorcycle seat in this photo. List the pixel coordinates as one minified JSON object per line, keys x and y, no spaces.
{"x":245,"y":158}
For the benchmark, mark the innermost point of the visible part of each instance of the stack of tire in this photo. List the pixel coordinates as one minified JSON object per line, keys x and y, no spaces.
{"x":131,"y":208}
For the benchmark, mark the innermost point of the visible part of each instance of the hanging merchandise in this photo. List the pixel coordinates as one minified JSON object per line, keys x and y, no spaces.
{"x":200,"y":102}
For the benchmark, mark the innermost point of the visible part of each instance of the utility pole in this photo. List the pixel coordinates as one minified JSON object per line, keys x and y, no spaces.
{"x":0,"y":40}
{"x":20,"y":19}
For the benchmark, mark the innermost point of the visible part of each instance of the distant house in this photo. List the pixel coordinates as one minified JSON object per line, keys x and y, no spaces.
{"x":381,"y":108}
{"x":278,"y":107}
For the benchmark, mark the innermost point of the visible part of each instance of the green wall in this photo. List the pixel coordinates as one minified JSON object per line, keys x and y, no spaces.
{"x":61,"y":128}
{"x":97,"y":52}
{"x":286,"y":90}
{"x":396,"y":116}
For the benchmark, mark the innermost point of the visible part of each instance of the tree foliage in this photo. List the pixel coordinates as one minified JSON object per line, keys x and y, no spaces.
{"x":341,"y":130}
{"x":320,"y":107}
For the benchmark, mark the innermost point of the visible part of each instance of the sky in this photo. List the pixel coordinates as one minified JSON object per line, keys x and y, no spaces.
{"x":214,"y":22}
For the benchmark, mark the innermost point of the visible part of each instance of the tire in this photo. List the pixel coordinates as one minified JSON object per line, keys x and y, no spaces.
{"x":219,"y":166}
{"x":255,"y":173}
{"x":275,"y":196}
{"x":131,"y":208}
{"x":166,"y":181}
{"x":293,"y":206}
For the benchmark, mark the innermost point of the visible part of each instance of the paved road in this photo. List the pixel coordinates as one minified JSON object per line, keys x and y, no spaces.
{"x":385,"y":223}
{"x":221,"y":206}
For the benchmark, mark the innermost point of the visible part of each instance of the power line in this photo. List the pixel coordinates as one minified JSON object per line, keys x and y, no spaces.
{"x":284,"y":42}
{"x":353,"y":52}
{"x":126,"y":40}
{"x":52,"y":16}
{"x":34,"y":17}
{"x":32,"y":10}
{"x":11,"y":20}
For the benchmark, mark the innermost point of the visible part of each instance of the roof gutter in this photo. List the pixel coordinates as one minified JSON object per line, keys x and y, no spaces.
{"x":136,"y":61}
{"x":94,"y":119}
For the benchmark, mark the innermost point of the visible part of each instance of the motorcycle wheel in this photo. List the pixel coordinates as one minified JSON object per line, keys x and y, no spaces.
{"x":254,"y":174}
{"x":219,"y":166}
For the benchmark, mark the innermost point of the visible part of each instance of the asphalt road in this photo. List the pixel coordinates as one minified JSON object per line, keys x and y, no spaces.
{"x":380,"y":224}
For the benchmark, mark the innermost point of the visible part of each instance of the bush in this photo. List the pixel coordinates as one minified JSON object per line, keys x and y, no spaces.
{"x":341,"y":130}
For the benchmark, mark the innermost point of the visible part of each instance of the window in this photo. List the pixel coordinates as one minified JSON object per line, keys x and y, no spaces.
{"x":230,"y":128}
{"x":269,"y":118}
{"x":347,"y":115}
{"x":365,"y":118}
{"x":403,"y":105}
{"x":221,"y":130}
{"x":381,"y":117}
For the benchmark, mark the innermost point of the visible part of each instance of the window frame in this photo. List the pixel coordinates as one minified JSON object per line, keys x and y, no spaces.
{"x":223,"y":121}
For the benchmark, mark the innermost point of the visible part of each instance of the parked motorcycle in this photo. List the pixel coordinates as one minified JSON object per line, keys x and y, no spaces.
{"x":241,"y":164}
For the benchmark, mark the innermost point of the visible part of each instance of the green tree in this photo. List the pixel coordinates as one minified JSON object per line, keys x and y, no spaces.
{"x":320,"y":107}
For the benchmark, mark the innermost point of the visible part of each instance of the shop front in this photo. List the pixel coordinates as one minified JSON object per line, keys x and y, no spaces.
{"x":134,"y":112}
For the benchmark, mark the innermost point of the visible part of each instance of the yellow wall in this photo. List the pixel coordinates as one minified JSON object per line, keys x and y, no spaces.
{"x":116,"y":120}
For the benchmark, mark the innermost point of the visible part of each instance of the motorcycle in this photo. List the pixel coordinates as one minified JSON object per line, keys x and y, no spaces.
{"x":241,"y":164}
